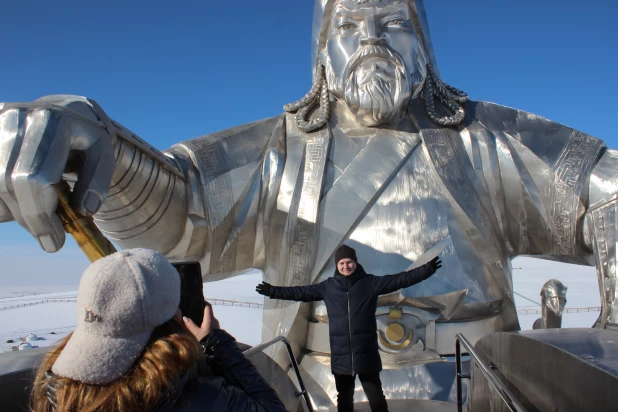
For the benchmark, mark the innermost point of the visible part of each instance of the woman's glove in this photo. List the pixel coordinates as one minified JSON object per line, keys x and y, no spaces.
{"x":264,"y":289}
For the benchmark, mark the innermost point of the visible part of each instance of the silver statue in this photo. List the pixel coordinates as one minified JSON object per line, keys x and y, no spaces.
{"x":381,"y":154}
{"x":553,"y":301}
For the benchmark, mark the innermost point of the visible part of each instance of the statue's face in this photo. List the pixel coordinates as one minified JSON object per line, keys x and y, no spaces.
{"x":554,"y":299}
{"x":372,"y":58}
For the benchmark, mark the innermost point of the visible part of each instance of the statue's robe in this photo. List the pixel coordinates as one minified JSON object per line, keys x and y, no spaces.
{"x":501,"y":184}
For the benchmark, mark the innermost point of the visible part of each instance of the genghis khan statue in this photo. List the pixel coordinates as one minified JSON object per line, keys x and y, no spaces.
{"x":381,"y":154}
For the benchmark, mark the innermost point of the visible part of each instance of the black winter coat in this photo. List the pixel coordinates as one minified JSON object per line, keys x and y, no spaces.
{"x":231,"y":384}
{"x":351,"y":303}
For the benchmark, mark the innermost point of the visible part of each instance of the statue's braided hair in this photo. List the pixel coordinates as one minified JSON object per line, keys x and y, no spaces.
{"x":309,"y":120}
{"x":449,"y":96}
{"x":318,"y":95}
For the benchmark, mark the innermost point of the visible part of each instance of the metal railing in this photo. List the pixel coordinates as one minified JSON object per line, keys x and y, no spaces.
{"x":213,"y":301}
{"x":259,"y":348}
{"x":506,"y":395}
{"x":539,"y":311}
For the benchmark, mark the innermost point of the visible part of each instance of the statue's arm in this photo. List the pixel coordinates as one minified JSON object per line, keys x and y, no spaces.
{"x":232,"y":185}
{"x":208,"y":199}
{"x":136,"y":193}
{"x":204,"y":199}
{"x":600,"y":232}
{"x":147,"y":202}
{"x":557,"y":192}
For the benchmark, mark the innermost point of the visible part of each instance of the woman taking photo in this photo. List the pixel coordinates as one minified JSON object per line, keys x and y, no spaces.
{"x":133,"y":351}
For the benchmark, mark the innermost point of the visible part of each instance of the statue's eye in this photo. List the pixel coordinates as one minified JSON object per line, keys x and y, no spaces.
{"x":345,"y":26}
{"x":395,"y":23}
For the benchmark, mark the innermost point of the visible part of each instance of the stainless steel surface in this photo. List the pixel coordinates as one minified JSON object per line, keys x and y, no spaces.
{"x":602,"y":220}
{"x":398,"y":405}
{"x":36,"y":140}
{"x":273,"y":196}
{"x":505,"y":394}
{"x":552,"y":369}
{"x":260,"y":348}
{"x":433,"y":380}
{"x":147,"y":204}
{"x":16,"y":375}
{"x":553,"y":300}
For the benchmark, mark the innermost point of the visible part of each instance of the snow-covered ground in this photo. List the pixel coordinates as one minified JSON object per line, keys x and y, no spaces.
{"x":54,"y":320}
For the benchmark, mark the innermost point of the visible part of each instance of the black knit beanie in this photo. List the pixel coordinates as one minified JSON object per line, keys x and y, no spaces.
{"x":345,"y":252}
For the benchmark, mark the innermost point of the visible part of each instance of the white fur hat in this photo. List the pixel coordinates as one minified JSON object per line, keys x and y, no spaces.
{"x":122,"y":298}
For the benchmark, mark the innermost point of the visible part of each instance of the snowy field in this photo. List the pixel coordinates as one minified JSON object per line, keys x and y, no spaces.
{"x":52,"y":321}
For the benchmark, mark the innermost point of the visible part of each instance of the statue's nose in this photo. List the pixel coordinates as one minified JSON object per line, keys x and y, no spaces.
{"x":372,"y":35}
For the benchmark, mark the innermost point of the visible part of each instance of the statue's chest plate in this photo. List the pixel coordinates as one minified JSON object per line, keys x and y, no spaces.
{"x":405,"y":220}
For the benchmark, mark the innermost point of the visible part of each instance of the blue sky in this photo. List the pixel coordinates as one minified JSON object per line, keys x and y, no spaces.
{"x":173,"y":72}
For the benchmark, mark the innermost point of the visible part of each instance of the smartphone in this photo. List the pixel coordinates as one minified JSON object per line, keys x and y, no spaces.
{"x":191,"y":290}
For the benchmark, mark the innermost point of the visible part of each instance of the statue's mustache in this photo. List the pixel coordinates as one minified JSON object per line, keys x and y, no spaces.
{"x":367,"y":52}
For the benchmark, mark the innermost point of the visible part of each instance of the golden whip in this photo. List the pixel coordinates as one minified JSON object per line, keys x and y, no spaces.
{"x":87,"y":235}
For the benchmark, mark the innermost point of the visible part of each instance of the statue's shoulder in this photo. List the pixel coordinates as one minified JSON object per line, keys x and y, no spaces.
{"x":233,"y":149}
{"x":493,"y":116}
{"x":546,"y":138}
{"x":252,"y":133}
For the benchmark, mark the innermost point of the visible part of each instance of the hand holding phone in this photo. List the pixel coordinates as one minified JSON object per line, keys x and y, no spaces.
{"x":208,"y":324}
{"x":191,"y":291}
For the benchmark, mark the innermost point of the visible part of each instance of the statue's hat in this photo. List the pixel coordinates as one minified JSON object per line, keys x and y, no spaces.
{"x":323,"y":11}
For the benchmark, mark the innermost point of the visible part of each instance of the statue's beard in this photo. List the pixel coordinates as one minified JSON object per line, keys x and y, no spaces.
{"x":376,"y":86}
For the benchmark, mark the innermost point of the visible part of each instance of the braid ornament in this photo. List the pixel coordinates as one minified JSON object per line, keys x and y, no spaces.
{"x":449,"y":96}
{"x":318,"y":95}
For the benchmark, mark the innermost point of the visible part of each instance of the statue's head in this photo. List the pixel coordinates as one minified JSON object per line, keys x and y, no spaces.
{"x":373,"y":55}
{"x":373,"y":58}
{"x":553,"y":296}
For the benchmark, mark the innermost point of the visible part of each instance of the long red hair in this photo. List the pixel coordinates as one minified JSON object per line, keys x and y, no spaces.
{"x":171,"y":350}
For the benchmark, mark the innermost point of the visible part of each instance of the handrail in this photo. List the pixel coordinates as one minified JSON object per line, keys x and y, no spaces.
{"x":259,"y":348}
{"x":506,"y":395}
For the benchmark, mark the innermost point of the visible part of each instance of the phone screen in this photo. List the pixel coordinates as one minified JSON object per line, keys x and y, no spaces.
{"x":191,"y":290}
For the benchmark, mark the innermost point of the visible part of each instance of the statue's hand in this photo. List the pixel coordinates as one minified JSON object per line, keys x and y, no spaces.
{"x":40,"y":141}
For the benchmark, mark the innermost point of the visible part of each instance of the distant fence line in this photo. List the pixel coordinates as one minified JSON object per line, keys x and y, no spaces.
{"x":225,"y":302}
{"x":538,"y":311}
{"x":255,"y":305}
{"x":217,"y":302}
{"x":38,"y":302}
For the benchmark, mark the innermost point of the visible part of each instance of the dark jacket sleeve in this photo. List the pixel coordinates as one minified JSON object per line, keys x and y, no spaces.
{"x":235,"y":384}
{"x":307,"y":293}
{"x":391,"y":283}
